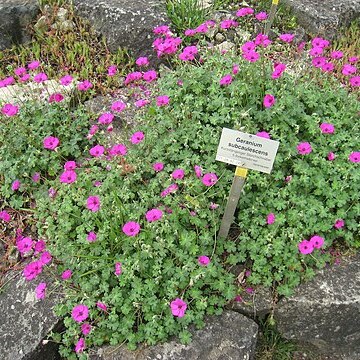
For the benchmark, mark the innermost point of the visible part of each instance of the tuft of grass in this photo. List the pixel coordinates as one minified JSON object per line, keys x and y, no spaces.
{"x":349,"y":40}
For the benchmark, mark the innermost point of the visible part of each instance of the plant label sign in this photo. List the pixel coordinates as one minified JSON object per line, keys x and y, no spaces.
{"x":247,"y":150}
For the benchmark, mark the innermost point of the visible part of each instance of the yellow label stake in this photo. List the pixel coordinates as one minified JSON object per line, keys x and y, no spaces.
{"x":241,"y":172}
{"x":275,"y":2}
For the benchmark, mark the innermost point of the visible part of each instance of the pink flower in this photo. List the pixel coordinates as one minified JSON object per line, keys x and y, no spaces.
{"x":189,"y":32}
{"x":226,"y":80}
{"x":118,"y":106}
{"x":118,"y":149}
{"x":80,"y":345}
{"x":91,"y":236}
{"x":141,"y":103}
{"x":287,"y":37}
{"x":133,"y":77}
{"x":36,"y":177}
{"x":41,"y":77}
{"x":84,"y":86}
{"x":142,"y":61}
{"x":336,"y":54}
{"x":51,"y":142}
{"x":39,"y":246}
{"x":178,"y":307}
{"x":320,"y":42}
{"x":213,"y":206}
{"x":331,"y":156}
{"x":32,"y":270}
{"x":203,"y":260}
{"x":354,"y":157}
{"x":316,"y":51}
{"x":162,"y":100}
{"x":97,"y":150}
{"x":339,"y":223}
{"x":355,"y":81}
{"x":80,"y":313}
{"x":153,"y":215}
{"x":93,"y":203}
{"x":209,"y":179}
{"x":304,"y":148}
{"x":40,"y":291}
{"x":57,"y":97}
{"x":137,"y":137}
{"x":66,"y":274}
{"x":178,"y":174}
{"x":20,"y":71}
{"x":68,"y":177}
{"x":106,"y":118}
{"x":270,"y":219}
{"x":263,"y":134}
{"x":85,"y":329}
{"x":118,"y":269}
{"x":159,"y":166}
{"x":66,"y":80}
{"x":317,"y":241}
{"x":101,"y":306}
{"x":235,"y":69}
{"x":244,"y":11}
{"x":25,"y":245}
{"x":248,"y":46}
{"x":318,"y":61}
{"x":162,"y":29}
{"x":33,"y":65}
{"x":306,"y":247}
{"x":261,"y":16}
{"x":45,"y":258}
{"x":150,"y":76}
{"x":131,"y":228}
{"x":170,"y":189}
{"x":228,"y":23}
{"x":10,"y":110}
{"x":353,"y":59}
{"x":70,"y":165}
{"x":198,"y":171}
{"x":5,"y":216}
{"x":269,"y":100}
{"x":15,"y":185}
{"x":328,"y":67}
{"x":112,"y":70}
{"x":348,"y":69}
{"x":327,"y":128}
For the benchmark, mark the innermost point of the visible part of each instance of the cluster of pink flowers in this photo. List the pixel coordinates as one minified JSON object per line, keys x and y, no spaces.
{"x":69,"y":175}
{"x":188,"y":53}
{"x":167,"y":45}
{"x":308,"y":246}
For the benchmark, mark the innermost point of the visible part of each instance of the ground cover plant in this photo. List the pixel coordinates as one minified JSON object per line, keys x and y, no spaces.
{"x":131,"y":229}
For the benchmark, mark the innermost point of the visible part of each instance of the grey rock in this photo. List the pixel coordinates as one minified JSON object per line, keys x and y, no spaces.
{"x":25,"y":321}
{"x":229,"y":336}
{"x":325,"y":312}
{"x":324,"y":18}
{"x":16,"y":16}
{"x":125,"y":24}
{"x":256,"y":305}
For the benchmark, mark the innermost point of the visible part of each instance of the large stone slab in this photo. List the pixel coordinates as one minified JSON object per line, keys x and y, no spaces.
{"x":25,"y":321}
{"x":324,"y":17}
{"x":229,"y":336}
{"x":325,"y":312}
{"x":16,"y":16}
{"x":127,"y":23}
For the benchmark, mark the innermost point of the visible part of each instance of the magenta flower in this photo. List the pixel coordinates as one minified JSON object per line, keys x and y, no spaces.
{"x":57,"y":97}
{"x":118,"y":149}
{"x":15,"y":185}
{"x":348,"y":69}
{"x":80,"y":313}
{"x":270,"y":219}
{"x":93,"y":203}
{"x":39,"y":246}
{"x":66,"y":274}
{"x":153,"y":215}
{"x":45,"y":258}
{"x":178,"y":174}
{"x":118,"y":106}
{"x":244,"y":11}
{"x":226,"y":80}
{"x":131,"y":228}
{"x":106,"y":118}
{"x":141,"y":103}
{"x":228,"y":23}
{"x":150,"y":76}
{"x":287,"y":37}
{"x":133,"y":77}
{"x":70,"y":165}
{"x":142,"y":61}
{"x":159,"y":166}
{"x":331,"y":156}
{"x":209,"y":179}
{"x":328,"y":67}
{"x":41,"y":77}
{"x":317,"y":241}
{"x":118,"y":269}
{"x":269,"y":100}
{"x":24,"y":245}
{"x":66,"y":80}
{"x":339,"y":223}
{"x":97,"y":151}
{"x":10,"y":110}
{"x":5,"y":216}
{"x":51,"y":142}
{"x":85,"y":329}
{"x":101,"y":306}
{"x":33,"y":65}
{"x":162,"y":100}
{"x":336,"y":54}
{"x":320,"y":42}
{"x":20,"y":71}
{"x":327,"y":128}
{"x":263,"y":134}
{"x":261,"y":16}
{"x":203,"y":260}
{"x":178,"y":307}
{"x":91,"y":236}
{"x":80,"y":345}
{"x":32,"y":270}
{"x":68,"y":177}
{"x":36,"y":177}
{"x":198,"y":171}
{"x":355,"y":81}
{"x":137,"y":137}
{"x":306,"y":247}
{"x":112,"y":70}
{"x":170,"y":189}
{"x":161,"y":30}
{"x":304,"y":148}
{"x":40,"y":291}
{"x":84,"y":85}
{"x":354,"y":157}
{"x":318,"y":61}
{"x":213,"y":206}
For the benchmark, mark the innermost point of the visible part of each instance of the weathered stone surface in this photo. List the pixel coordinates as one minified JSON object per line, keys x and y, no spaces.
{"x":16,"y":16}
{"x":324,"y":18}
{"x":325,"y":312}
{"x":256,"y":304}
{"x":127,"y":23}
{"x":229,"y":336}
{"x":25,"y":321}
